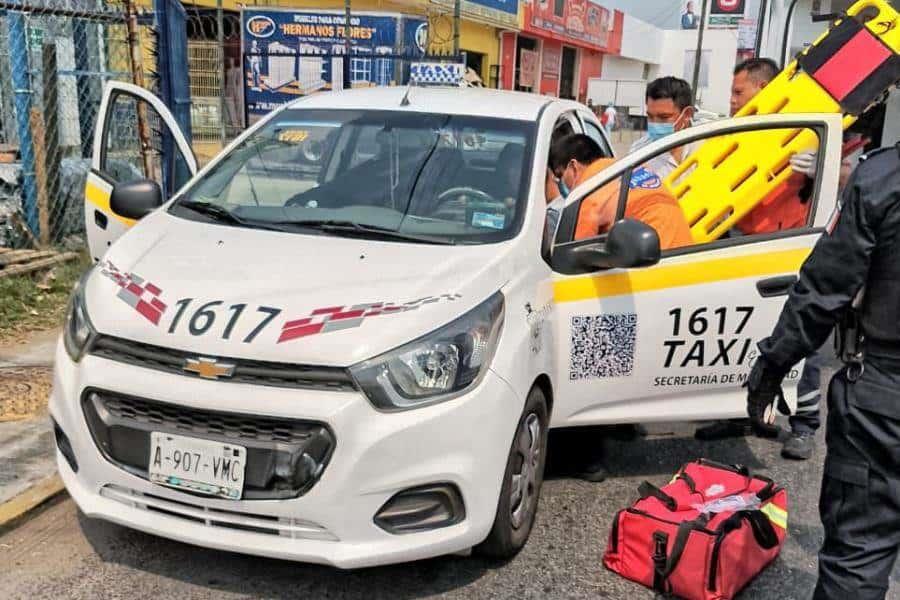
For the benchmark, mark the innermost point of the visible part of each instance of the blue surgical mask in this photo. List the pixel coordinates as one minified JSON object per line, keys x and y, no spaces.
{"x":657,"y":131}
{"x":563,"y":188}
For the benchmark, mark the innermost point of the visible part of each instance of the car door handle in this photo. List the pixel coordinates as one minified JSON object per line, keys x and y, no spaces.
{"x":776,"y":286}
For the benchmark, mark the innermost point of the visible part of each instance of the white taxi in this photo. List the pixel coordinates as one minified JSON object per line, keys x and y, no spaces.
{"x":344,"y":339}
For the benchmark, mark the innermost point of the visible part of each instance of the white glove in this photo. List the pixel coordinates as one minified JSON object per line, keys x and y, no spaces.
{"x":805,"y":163}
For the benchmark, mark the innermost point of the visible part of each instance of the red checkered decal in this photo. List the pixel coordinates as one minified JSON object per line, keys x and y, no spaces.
{"x":336,"y":318}
{"x":140,"y":295}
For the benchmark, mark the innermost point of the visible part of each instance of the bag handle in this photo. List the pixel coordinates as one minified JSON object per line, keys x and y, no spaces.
{"x":763,"y":531}
{"x":648,"y":490}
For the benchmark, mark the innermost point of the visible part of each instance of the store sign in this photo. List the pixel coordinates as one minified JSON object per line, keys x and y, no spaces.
{"x":291,"y":53}
{"x":573,"y":20}
{"x":727,"y":14}
{"x":528,"y":60}
{"x":504,"y":13}
{"x":747,"y":34}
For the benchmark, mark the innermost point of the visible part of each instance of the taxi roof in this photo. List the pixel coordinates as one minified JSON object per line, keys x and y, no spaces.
{"x":482,"y":102}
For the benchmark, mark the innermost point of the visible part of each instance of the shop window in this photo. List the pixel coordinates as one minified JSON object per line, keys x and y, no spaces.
{"x":559,"y":7}
{"x":360,"y":69}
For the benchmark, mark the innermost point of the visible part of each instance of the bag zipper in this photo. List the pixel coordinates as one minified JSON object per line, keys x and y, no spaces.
{"x":637,"y":511}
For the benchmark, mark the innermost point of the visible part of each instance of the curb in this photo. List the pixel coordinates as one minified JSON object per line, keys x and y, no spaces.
{"x":19,"y":506}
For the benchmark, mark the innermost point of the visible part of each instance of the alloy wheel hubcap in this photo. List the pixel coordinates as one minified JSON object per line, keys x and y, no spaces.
{"x":524,"y":479}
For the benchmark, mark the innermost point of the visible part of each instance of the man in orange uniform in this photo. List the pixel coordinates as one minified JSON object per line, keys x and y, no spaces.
{"x":788,"y":206}
{"x":576,"y":158}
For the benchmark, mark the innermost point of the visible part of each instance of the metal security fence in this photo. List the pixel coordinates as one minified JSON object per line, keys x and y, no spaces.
{"x":55,"y":56}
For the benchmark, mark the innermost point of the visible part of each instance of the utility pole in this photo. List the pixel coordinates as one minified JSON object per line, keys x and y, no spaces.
{"x":699,"y":55}
{"x":457,"y":8}
{"x":347,"y":44}
{"x":223,"y":69}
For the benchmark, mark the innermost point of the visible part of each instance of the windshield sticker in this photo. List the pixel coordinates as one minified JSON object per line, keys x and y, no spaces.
{"x":137,"y":293}
{"x":337,"y":318}
{"x":645,"y":179}
{"x":488,"y":221}
{"x":293,"y":136}
{"x":602,"y":346}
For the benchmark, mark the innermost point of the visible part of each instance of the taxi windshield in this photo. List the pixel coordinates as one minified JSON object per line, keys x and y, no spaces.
{"x":389,"y":174}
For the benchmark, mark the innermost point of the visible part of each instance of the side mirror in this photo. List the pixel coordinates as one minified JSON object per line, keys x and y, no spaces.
{"x":135,"y":199}
{"x":630,"y":243}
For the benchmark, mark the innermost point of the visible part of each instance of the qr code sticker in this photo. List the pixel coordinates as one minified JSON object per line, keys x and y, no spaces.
{"x":602,"y":346}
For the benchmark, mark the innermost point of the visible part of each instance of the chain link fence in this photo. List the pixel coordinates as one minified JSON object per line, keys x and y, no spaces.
{"x":55,"y":56}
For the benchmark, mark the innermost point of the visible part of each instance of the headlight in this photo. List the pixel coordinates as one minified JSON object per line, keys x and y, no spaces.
{"x":436,"y":367}
{"x":78,"y":331}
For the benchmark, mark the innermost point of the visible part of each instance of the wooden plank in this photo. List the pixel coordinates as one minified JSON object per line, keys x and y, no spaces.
{"x":37,"y":265}
{"x":29,"y":255}
{"x":19,"y":253}
{"x":40,"y":174}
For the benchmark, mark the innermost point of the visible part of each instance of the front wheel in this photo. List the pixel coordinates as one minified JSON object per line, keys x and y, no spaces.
{"x":521,"y":482}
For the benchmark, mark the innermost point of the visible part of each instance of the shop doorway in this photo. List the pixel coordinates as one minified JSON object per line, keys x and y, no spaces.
{"x":528,"y":45}
{"x":567,"y":73}
{"x":475,"y":61}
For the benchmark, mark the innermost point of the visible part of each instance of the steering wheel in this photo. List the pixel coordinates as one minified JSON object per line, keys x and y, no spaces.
{"x":464,"y":191}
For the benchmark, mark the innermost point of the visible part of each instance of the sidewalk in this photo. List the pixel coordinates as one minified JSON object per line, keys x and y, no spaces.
{"x":27,"y":461}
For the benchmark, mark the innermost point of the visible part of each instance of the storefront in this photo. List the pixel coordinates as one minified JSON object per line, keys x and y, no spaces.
{"x":481,"y":24}
{"x":560,"y":47}
{"x":294,"y":52}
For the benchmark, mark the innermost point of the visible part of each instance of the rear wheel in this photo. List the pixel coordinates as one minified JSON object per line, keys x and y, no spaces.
{"x":522,"y":482}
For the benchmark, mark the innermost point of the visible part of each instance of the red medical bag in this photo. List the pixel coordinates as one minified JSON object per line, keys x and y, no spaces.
{"x":703,"y":536}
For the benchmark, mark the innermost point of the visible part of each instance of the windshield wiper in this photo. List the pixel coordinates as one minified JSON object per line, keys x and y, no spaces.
{"x":223,"y":215}
{"x":352,"y":227}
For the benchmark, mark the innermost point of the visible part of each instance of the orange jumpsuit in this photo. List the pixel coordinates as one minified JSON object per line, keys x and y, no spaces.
{"x":648,"y":201}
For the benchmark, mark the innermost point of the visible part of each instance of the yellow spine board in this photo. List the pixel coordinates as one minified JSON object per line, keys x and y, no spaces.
{"x":727,"y":176}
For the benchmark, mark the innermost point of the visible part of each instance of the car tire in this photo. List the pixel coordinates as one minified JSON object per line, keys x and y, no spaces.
{"x":522,"y":480}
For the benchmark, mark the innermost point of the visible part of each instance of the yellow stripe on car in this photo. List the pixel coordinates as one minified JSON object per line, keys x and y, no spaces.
{"x":776,"y":514}
{"x":99,"y":197}
{"x":662,"y":277}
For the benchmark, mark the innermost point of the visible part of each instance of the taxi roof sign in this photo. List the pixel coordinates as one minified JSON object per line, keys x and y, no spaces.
{"x":437,"y":73}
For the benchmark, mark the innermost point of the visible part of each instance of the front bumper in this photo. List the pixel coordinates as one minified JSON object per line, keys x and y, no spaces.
{"x":375,"y":456}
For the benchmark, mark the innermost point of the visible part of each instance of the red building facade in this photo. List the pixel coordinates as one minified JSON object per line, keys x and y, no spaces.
{"x":560,"y":47}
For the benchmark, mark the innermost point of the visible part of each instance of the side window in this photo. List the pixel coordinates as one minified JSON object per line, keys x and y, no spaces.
{"x":593,"y":131}
{"x":138,"y":145}
{"x":693,"y":199}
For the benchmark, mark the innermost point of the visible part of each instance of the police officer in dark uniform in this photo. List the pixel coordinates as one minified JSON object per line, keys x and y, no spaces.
{"x":852,"y":279}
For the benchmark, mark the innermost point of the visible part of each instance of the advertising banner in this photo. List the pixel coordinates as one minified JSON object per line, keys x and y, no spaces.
{"x":571,"y":21}
{"x":727,"y":14}
{"x":528,"y":60}
{"x":291,"y":53}
{"x":503,"y":13}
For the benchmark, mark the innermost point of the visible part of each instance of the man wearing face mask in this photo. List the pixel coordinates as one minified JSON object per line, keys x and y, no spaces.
{"x":576,"y":158}
{"x":669,"y":110}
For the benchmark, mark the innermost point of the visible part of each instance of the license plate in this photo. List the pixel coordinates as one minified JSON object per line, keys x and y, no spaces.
{"x":201,"y":466}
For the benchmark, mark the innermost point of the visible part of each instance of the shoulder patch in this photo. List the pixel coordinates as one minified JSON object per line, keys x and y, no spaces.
{"x":644,"y":179}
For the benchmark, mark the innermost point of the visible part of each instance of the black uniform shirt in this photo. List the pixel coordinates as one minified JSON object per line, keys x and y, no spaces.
{"x":861,"y":246}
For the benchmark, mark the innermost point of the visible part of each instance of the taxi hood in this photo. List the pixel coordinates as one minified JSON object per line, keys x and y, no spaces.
{"x":283,"y":297}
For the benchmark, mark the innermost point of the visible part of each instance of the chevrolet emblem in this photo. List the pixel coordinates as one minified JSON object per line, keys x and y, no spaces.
{"x":208,"y":368}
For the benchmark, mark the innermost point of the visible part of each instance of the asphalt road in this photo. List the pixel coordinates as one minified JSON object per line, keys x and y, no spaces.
{"x":61,"y":554}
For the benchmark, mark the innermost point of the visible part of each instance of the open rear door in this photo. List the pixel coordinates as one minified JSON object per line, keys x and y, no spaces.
{"x":136,"y":138}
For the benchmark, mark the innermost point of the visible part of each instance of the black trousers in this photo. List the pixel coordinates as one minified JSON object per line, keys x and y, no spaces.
{"x":860,"y":497}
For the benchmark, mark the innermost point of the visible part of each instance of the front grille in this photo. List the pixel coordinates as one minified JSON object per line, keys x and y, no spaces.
{"x":253,"y":372}
{"x":285,"y":457}
{"x":299,"y":529}
{"x":172,"y":418}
